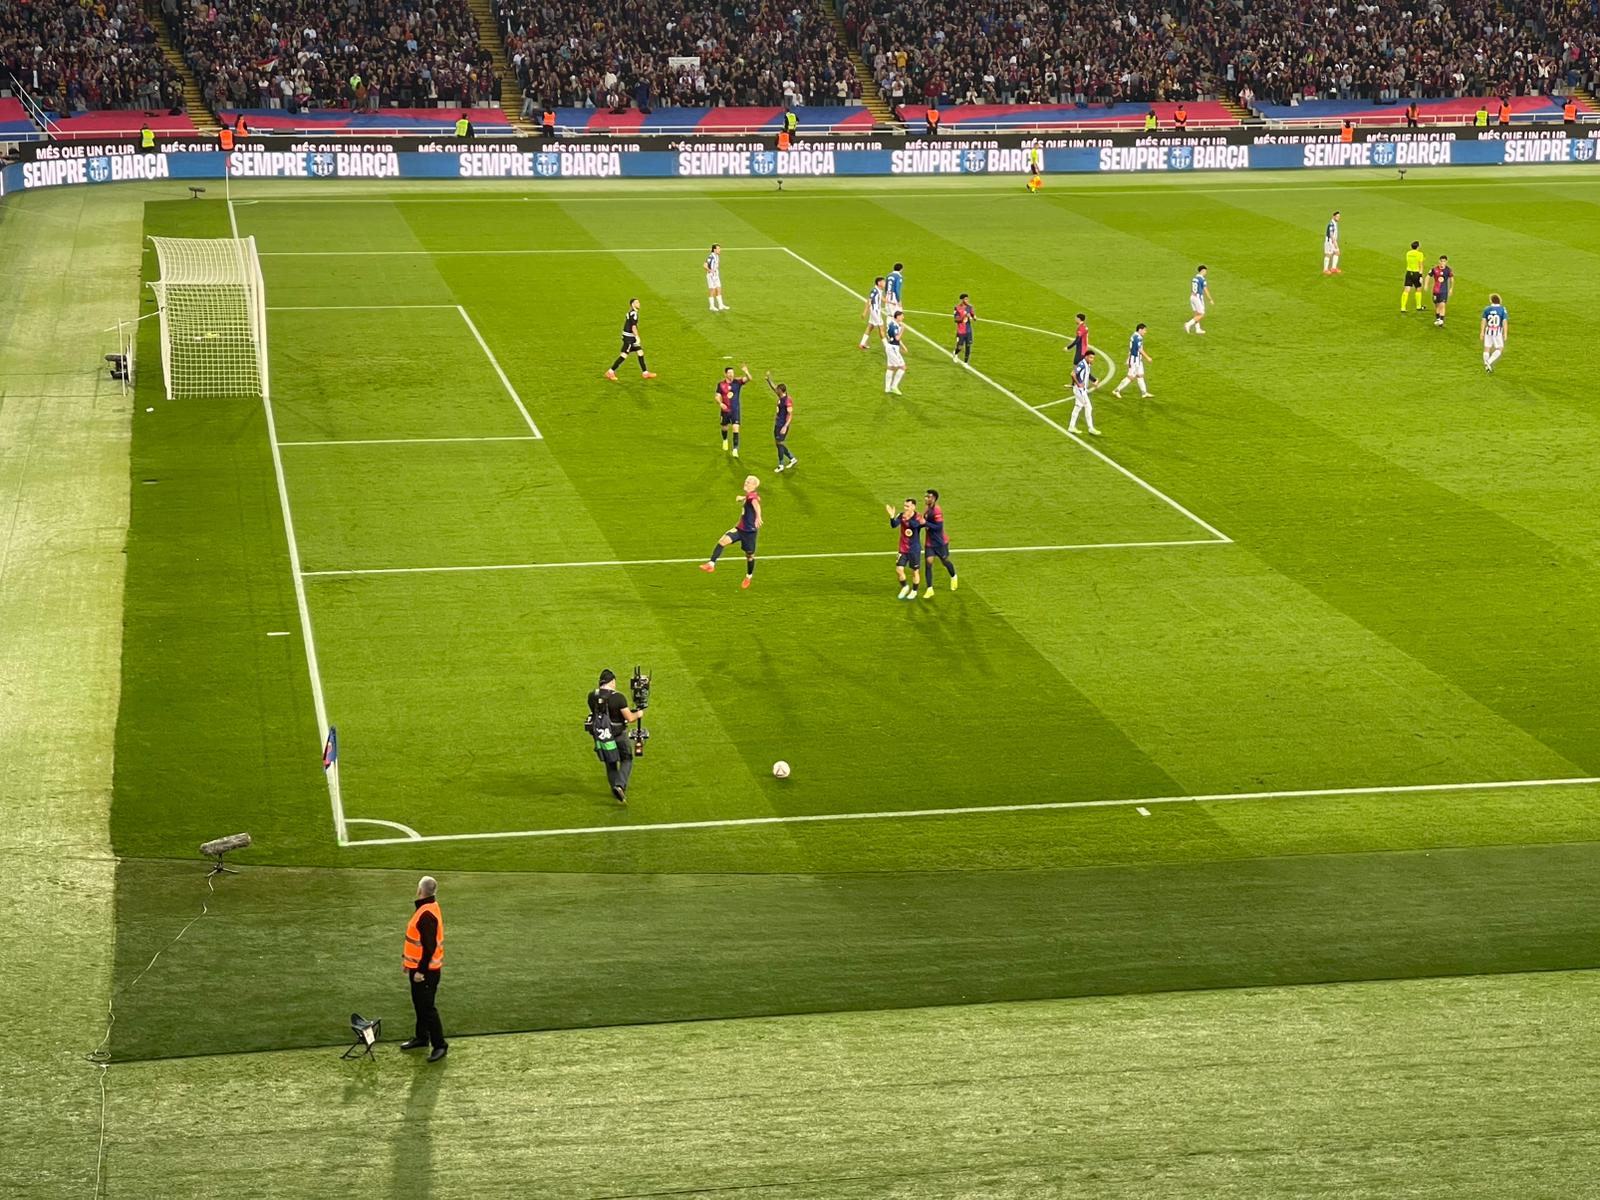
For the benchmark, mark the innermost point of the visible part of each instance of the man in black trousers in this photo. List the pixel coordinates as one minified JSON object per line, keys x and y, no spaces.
{"x":424,"y":959}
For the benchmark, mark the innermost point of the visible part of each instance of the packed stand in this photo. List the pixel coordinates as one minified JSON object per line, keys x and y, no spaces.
{"x":648,"y":53}
{"x":1333,"y":49}
{"x":1030,"y":51}
{"x":77,"y":57}
{"x":364,"y":54}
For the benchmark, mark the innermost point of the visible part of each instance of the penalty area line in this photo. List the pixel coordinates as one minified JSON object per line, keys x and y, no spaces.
{"x":675,"y":562}
{"x":981,"y":809}
{"x":1045,"y":417}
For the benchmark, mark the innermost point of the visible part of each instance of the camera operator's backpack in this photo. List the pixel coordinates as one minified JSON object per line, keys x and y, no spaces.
{"x":599,"y":723}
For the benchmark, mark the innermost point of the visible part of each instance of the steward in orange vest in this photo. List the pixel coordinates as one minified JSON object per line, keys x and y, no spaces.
{"x":1505,"y":113}
{"x":225,"y":138}
{"x":1180,"y":118}
{"x":1347,"y":133}
{"x":549,"y":123}
{"x":241,"y":127}
{"x":1569,"y":111}
{"x":423,"y":959}
{"x":932,"y":118}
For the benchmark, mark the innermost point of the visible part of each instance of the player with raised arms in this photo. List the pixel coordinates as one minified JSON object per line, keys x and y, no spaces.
{"x":714,"y":278}
{"x":873,"y":312}
{"x":744,"y":532}
{"x":781,"y":420}
{"x":1137,"y":357}
{"x":1199,"y":297}
{"x":909,"y":523}
{"x":1492,"y":331}
{"x":1330,"y":246}
{"x":728,"y":389}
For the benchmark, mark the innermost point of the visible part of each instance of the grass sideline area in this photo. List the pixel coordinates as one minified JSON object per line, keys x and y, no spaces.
{"x":923,"y":904}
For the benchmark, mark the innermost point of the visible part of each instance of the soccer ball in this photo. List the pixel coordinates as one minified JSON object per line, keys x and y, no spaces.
{"x":780,"y":769}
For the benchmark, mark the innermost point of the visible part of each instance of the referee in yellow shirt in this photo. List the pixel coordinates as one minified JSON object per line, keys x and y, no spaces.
{"x":1413,"y":277}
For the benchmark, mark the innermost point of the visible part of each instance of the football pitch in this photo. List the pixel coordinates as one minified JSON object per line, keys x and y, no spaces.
{"x":1285,"y":677}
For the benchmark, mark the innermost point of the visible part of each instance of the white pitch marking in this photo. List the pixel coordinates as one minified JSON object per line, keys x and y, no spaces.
{"x":1065,"y":337}
{"x":278,"y":633}
{"x":1142,"y":811}
{"x":1061,"y":429}
{"x":981,"y":809}
{"x":411,"y":834}
{"x":495,"y":363}
{"x":666,"y":562}
{"x":471,"y":253}
{"x":335,"y":799}
{"x":349,"y":307}
{"x":520,"y":437}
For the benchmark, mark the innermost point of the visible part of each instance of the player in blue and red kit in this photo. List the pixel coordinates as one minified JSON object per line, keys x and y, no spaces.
{"x":964,"y":314}
{"x":1080,"y":340}
{"x":1443,"y":282}
{"x":728,"y":389}
{"x":910,"y":525}
{"x":935,"y":542}
{"x":781,"y":420}
{"x":744,"y":532}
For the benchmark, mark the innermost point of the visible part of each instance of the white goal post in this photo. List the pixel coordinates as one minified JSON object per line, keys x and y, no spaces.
{"x":213,"y":309}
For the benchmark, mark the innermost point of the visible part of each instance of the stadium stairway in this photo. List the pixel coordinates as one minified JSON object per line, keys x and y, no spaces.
{"x":1246,"y":117}
{"x":871,"y":97}
{"x":510,"y":91}
{"x":194,"y":101}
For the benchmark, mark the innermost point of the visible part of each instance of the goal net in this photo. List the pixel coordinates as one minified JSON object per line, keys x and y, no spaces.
{"x":213,"y":317}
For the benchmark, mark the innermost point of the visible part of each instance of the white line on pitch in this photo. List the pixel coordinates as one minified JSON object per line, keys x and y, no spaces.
{"x":520,"y":437}
{"x":335,"y":799}
{"x":667,"y":562}
{"x":411,"y":834}
{"x":470,"y":253}
{"x":495,"y":363}
{"x":1061,"y":429}
{"x":923,"y":312}
{"x":983,"y":809}
{"x":349,"y":307}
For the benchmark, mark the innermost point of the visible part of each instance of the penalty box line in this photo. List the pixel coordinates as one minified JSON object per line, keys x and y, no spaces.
{"x":472,"y":328}
{"x":979,"y":809}
{"x":671,"y":562}
{"x":1009,"y":394}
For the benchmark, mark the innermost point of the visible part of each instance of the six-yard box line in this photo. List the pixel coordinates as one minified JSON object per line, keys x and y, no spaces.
{"x":299,"y":574}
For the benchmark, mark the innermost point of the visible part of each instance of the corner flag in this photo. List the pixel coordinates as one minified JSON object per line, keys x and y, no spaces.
{"x":330,"y":749}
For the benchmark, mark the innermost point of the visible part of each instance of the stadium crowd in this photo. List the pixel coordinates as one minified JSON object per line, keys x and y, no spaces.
{"x":1334,"y":49}
{"x":297,"y":54}
{"x":74,"y":57}
{"x":645,"y":53}
{"x":1029,"y":51}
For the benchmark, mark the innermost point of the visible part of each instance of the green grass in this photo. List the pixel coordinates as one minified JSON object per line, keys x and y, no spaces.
{"x":1407,"y":599}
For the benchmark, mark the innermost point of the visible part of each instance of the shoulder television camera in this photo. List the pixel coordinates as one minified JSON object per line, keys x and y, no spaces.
{"x":639,"y":687}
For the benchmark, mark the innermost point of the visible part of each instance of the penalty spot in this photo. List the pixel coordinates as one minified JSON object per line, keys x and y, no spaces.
{"x":1142,"y":811}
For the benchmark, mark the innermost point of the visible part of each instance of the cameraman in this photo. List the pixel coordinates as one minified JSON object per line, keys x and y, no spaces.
{"x":609,"y":715}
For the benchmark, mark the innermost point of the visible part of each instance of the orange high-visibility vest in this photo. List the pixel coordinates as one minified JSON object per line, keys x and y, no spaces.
{"x":549,"y":119}
{"x":413,"y":952}
{"x":783,"y":139}
{"x":1569,"y":111}
{"x":241,"y":127}
{"x":1181,"y":117}
{"x":1505,"y":114}
{"x":225,"y":138}
{"x":1347,"y":134}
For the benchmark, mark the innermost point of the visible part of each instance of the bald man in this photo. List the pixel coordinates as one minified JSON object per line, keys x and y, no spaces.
{"x":423,"y":960}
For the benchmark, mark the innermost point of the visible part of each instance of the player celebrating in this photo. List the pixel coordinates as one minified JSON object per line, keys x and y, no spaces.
{"x":910,"y":525}
{"x":1492,"y":331}
{"x":894,"y":353}
{"x":1443,"y":281}
{"x":1199,"y":297}
{"x":965,"y":314}
{"x":1330,"y":246}
{"x":1413,"y":277}
{"x":714,"y":278}
{"x":631,"y":343}
{"x":728,"y":389}
{"x":1083,"y":382}
{"x":744,"y":532}
{"x":873,"y":312}
{"x":935,"y":543}
{"x":1136,"y":361}
{"x":780,"y":423}
{"x":895,"y":282}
